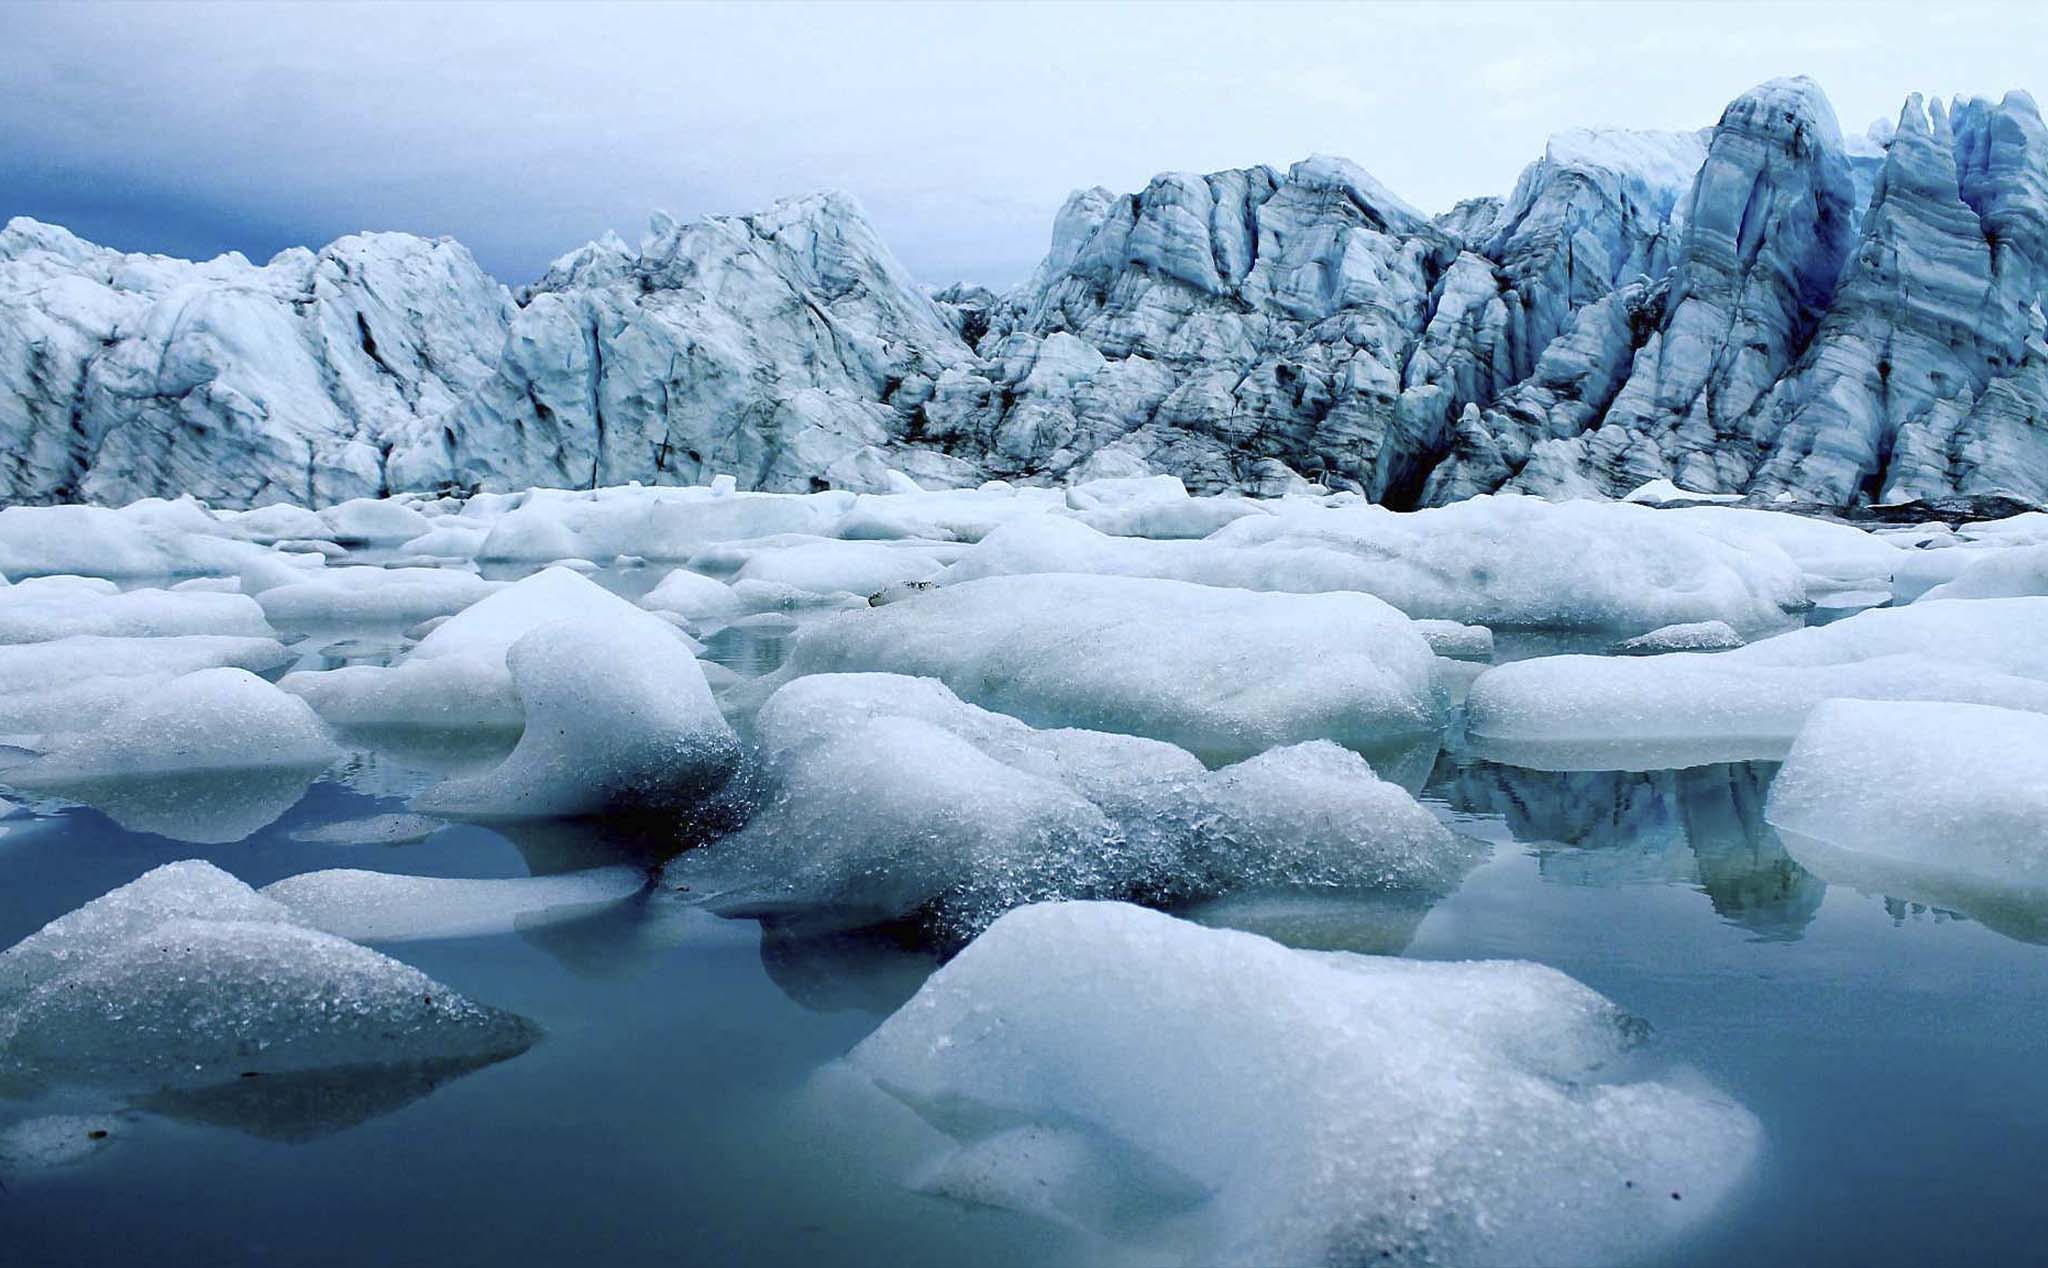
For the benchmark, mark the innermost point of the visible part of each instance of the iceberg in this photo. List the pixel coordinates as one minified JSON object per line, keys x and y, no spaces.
{"x":186,"y":978}
{"x":1689,"y":709}
{"x":1943,"y":803}
{"x":1218,"y":1098}
{"x":1223,"y":673}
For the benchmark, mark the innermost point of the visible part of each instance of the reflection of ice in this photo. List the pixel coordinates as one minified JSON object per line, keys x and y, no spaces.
{"x":831,"y":970}
{"x":2018,"y":912}
{"x":1381,"y":922}
{"x":305,"y":1105}
{"x":1703,"y":824}
{"x":205,"y":807}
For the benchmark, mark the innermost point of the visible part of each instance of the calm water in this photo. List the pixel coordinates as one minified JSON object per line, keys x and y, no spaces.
{"x":1894,"y":1053}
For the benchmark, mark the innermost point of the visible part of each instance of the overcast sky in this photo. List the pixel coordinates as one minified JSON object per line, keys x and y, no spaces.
{"x":525,"y":130}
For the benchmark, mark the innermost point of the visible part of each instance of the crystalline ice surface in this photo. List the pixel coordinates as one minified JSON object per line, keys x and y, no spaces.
{"x":1224,"y":673}
{"x":1300,"y":1107}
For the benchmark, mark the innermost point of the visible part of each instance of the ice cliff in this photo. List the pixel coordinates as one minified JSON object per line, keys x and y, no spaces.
{"x":1752,"y":308}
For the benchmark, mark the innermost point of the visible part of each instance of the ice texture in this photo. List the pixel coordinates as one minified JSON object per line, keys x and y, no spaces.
{"x":36,"y":614}
{"x":891,"y":798}
{"x":1223,"y":673}
{"x":391,"y":596}
{"x":70,"y":683}
{"x":1684,"y":709}
{"x":1944,"y":803}
{"x":1220,"y":1098}
{"x":212,"y":720}
{"x":1743,"y":308}
{"x":188,"y":978}
{"x":458,"y":676}
{"x":618,"y":718}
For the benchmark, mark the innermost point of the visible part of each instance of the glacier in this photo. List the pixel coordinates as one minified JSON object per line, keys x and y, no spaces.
{"x":1757,"y":308}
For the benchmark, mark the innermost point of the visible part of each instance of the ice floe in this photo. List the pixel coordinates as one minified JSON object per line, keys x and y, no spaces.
{"x":1218,"y":1098}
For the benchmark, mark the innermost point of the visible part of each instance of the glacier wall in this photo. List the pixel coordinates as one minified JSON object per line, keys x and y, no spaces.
{"x":1758,"y":307}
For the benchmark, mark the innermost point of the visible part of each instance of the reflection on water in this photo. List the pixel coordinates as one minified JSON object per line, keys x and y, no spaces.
{"x":2019,"y":912}
{"x":203,"y":807}
{"x":306,"y":1105}
{"x":1702,"y":825}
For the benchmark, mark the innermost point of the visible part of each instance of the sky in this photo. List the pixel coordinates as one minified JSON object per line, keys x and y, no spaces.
{"x":525,"y":130}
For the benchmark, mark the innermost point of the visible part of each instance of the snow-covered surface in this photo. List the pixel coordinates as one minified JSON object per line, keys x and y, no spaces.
{"x":1228,"y":1100}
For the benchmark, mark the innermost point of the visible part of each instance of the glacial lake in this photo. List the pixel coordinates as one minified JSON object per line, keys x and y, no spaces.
{"x":679,"y":1109}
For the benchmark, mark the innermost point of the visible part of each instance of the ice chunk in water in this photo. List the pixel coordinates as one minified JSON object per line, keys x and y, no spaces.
{"x":891,"y":798}
{"x":1692,"y":636}
{"x":1943,"y":803}
{"x":392,"y":596}
{"x":374,"y":830}
{"x":1991,"y":574}
{"x":208,"y":757}
{"x":1299,"y":1107}
{"x":211,"y":720}
{"x":188,"y":888}
{"x":618,"y":718}
{"x":56,"y":1140}
{"x":188,"y":978}
{"x":34,"y":615}
{"x":1223,"y":673}
{"x":1687,"y":709}
{"x":457,"y":676}
{"x":384,"y":907}
{"x":692,"y":595}
{"x":69,"y":683}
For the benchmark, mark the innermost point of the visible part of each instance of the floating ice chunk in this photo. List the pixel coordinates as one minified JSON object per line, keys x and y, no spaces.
{"x":190,"y":888}
{"x":194,"y":1002}
{"x":618,"y":718}
{"x":448,"y":539}
{"x":1223,"y":673}
{"x":210,"y":756}
{"x":372,"y":522}
{"x":361,"y":596}
{"x":655,"y":523}
{"x":1247,"y":1103}
{"x":210,"y":720}
{"x":1683,"y":709}
{"x":1459,"y":642}
{"x":692,"y":595}
{"x":457,"y":676}
{"x":1656,"y":492}
{"x":1692,"y":636}
{"x":31,"y":614}
{"x":134,"y":541}
{"x":1943,"y":803}
{"x":891,"y":798}
{"x":1991,"y":574}
{"x":383,"y":907}
{"x":836,"y":567}
{"x":1832,"y":556}
{"x":74,"y":682}
{"x":1521,"y":562}
{"x":280,"y":521}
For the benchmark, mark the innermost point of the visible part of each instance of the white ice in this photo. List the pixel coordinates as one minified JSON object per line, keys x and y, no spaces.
{"x":1218,"y":1098}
